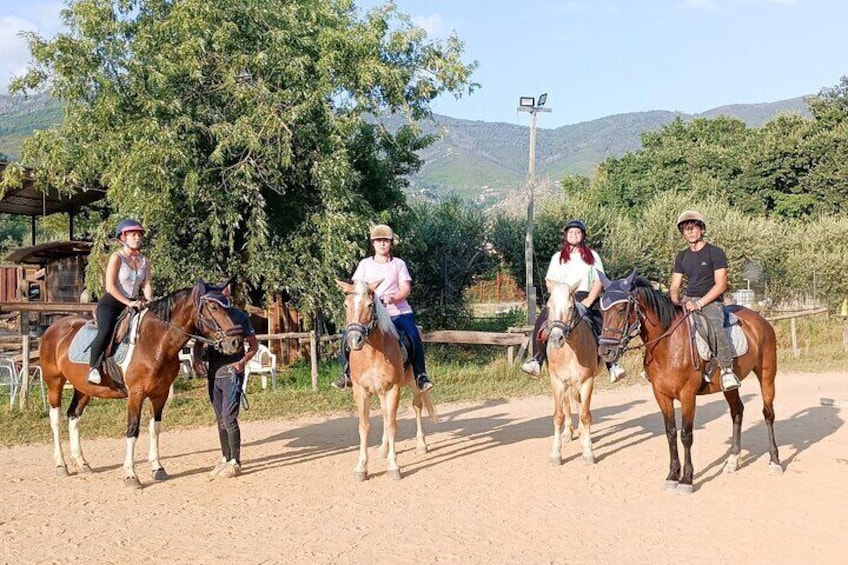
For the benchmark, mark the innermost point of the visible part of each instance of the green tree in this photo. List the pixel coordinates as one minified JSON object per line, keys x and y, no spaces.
{"x":237,"y":131}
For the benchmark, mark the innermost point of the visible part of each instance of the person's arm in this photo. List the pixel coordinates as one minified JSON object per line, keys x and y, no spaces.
{"x":196,"y":356}
{"x":147,"y":287}
{"x":112,"y":269}
{"x":674,"y":288}
{"x":400,"y":295}
{"x":594,"y":293}
{"x":717,"y":289}
{"x":252,"y":348}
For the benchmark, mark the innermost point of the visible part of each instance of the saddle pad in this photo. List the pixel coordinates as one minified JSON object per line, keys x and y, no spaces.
{"x":734,"y":333}
{"x":80,"y":349}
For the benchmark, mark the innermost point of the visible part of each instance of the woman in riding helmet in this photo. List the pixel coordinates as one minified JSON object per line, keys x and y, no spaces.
{"x":127,"y":286}
{"x":574,"y":263}
{"x":394,"y":288}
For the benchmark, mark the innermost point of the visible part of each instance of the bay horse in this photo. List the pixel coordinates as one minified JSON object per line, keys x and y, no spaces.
{"x":632,"y":307}
{"x":572,"y":363}
{"x":377,"y":367}
{"x":164,"y":330}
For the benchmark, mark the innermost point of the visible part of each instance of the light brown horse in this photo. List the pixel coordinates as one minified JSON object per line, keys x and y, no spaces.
{"x":632,"y":307}
{"x":572,"y":363}
{"x":165,"y":329}
{"x":377,"y":367}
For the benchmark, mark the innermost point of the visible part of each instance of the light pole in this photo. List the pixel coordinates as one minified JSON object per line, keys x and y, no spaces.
{"x":529,"y":104}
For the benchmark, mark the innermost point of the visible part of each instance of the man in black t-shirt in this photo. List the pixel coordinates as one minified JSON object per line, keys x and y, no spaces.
{"x":705,"y":268}
{"x":225,"y":376}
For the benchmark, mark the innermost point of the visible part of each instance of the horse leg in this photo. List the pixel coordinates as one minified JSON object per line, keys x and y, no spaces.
{"x":134,"y":402}
{"x":382,"y":453}
{"x":561,"y":404}
{"x":418,"y":406}
{"x":75,"y":410}
{"x":390,"y":425}
{"x":363,"y":407}
{"x":158,"y":407}
{"x":60,"y":469}
{"x":766,"y":374}
{"x":736,"y":411}
{"x":585,"y":425}
{"x":666,"y":405}
{"x":687,"y":413}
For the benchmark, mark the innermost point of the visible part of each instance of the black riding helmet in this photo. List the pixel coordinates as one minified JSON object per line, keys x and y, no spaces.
{"x":575,"y":224}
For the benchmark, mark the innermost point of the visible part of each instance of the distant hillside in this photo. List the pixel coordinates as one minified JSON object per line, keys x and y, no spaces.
{"x":480,"y":160}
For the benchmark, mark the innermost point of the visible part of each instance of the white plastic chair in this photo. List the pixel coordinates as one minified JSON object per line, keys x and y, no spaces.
{"x":263,"y":363}
{"x":36,"y":375}
{"x":9,"y":378}
{"x":187,"y":360}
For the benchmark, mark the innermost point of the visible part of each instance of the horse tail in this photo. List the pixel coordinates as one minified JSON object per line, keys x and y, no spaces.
{"x":431,"y":408}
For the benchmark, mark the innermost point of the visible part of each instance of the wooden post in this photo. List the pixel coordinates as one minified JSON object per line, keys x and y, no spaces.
{"x":845,"y":334}
{"x":795,"y":351}
{"x":24,"y":375}
{"x":510,"y":355}
{"x":313,"y":358}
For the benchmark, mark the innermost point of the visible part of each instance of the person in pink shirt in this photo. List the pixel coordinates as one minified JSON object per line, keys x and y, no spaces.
{"x":392,"y":291}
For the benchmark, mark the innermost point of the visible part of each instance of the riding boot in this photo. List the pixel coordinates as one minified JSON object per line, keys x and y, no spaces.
{"x":234,"y":435}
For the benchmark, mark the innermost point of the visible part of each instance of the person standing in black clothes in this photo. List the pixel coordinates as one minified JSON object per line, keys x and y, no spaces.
{"x":225,"y":377}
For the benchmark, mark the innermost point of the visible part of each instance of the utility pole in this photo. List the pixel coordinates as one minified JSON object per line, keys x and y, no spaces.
{"x":529,"y":104}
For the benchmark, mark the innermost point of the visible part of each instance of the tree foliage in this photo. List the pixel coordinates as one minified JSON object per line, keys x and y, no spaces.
{"x":238,"y":131}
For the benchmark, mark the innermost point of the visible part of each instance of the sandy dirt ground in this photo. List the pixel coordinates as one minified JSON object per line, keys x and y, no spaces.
{"x":485,"y":493}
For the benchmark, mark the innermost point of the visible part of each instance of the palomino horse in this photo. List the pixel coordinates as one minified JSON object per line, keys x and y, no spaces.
{"x":164,"y":331}
{"x":572,"y":363}
{"x":377,"y":367}
{"x":632,"y":307}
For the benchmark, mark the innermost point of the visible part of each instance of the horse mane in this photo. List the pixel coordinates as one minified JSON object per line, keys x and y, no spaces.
{"x":659,"y":302}
{"x":163,"y":308}
{"x":560,"y":290}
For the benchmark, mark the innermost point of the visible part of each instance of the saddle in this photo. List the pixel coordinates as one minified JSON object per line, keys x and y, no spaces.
{"x":735,"y":335}
{"x":119,"y":348}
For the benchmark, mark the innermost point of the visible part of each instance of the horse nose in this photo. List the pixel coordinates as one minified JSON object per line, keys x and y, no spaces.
{"x":232,"y":345}
{"x":556,"y":338}
{"x":356,"y":341}
{"x":608,"y":353}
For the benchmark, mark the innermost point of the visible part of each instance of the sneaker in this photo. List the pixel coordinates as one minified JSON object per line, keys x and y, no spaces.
{"x":231,"y":470}
{"x":616,"y":372}
{"x":94,"y":376}
{"x":218,"y":468}
{"x":729,"y":381}
{"x":532,"y":368}
{"x":424,"y":383}
{"x":342,"y":382}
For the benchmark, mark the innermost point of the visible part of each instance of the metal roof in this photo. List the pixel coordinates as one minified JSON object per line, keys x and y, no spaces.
{"x":27,"y":200}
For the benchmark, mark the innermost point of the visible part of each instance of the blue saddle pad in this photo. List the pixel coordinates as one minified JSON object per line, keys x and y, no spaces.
{"x":80,"y":350}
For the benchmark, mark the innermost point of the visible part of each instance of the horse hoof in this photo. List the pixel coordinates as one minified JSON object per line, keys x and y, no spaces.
{"x":670,"y":486}
{"x":85,"y":469}
{"x":61,"y":471}
{"x":588,"y":459}
{"x":393,"y":474}
{"x":132,"y":482}
{"x":422,"y":450}
{"x":685,"y":489}
{"x":730,"y":467}
{"x":159,"y":474}
{"x":775,"y":469}
{"x":360,"y":476}
{"x":555,"y":460}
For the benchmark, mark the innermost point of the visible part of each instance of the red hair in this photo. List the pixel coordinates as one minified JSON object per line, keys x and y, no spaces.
{"x":585,"y":253}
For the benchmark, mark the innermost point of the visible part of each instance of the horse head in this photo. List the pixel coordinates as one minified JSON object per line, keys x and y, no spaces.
{"x":562,"y":314}
{"x":621,"y":319}
{"x":214,"y":317}
{"x":360,"y":311}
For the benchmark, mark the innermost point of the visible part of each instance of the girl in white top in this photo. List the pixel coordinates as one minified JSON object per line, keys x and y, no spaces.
{"x":393,"y":290}
{"x":127,"y":286}
{"x":575,"y":263}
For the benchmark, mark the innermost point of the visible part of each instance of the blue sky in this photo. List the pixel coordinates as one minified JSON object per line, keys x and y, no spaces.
{"x":595,"y":58}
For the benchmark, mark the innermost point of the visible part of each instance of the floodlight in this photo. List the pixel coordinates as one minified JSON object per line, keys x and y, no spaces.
{"x":526,"y":101}
{"x":542,"y":99}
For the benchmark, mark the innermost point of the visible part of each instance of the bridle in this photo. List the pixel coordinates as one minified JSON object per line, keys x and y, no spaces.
{"x":211,"y":323}
{"x":630,"y":330}
{"x":364,"y":329}
{"x":566,"y":327}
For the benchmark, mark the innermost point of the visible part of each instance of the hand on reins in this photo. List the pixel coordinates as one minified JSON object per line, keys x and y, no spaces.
{"x":691,"y":305}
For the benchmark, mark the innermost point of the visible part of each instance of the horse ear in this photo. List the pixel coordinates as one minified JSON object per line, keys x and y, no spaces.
{"x":603,"y":278}
{"x":373,"y":286}
{"x":574,"y":288}
{"x":631,"y":277}
{"x":346,"y":287}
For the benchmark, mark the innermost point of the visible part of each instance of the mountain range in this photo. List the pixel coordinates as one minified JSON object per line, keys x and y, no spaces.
{"x":483,"y":161}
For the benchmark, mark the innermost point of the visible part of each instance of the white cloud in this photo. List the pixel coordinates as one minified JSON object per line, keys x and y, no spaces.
{"x":42,"y":18}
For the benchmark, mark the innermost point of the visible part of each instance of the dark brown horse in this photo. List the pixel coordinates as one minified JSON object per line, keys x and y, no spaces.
{"x":165,"y":329}
{"x":632,"y":307}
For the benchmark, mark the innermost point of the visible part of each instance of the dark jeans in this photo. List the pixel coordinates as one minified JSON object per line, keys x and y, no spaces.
{"x":714,"y":312}
{"x":404,"y":323}
{"x":225,"y":394}
{"x":107,"y":313}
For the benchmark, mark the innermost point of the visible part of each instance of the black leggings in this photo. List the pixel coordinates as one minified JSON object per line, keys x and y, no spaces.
{"x":108,"y":311}
{"x":225,"y":394}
